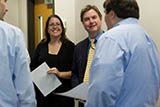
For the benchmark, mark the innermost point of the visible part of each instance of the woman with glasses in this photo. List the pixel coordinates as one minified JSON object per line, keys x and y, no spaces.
{"x":57,"y":51}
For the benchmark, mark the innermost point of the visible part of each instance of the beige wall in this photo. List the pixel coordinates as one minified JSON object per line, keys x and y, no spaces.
{"x":66,"y":10}
{"x":17,"y":14}
{"x":150,"y":18}
{"x":12,"y":14}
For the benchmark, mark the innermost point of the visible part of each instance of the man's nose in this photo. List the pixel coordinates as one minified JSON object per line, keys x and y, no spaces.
{"x":91,"y":20}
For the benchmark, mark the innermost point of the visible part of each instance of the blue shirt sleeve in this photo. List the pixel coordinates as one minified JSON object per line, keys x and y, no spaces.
{"x":23,"y":81}
{"x":109,"y":78}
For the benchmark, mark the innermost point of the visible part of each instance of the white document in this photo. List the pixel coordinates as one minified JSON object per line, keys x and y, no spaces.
{"x":79,"y":92}
{"x":45,"y":82}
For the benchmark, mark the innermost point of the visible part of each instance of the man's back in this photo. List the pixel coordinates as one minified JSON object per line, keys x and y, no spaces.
{"x":141,"y":68}
{"x":126,"y":67}
{"x":15,"y":80}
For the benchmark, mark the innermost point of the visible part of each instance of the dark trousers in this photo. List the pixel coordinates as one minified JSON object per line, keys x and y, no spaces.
{"x":81,"y":104}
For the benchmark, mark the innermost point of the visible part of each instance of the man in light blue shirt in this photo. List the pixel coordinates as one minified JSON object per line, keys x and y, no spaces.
{"x":125,"y":71}
{"x":15,"y":80}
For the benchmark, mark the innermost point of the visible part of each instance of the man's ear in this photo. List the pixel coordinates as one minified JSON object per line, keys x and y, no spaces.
{"x":112,"y":14}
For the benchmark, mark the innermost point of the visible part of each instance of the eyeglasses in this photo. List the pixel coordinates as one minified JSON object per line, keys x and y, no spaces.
{"x":55,"y":24}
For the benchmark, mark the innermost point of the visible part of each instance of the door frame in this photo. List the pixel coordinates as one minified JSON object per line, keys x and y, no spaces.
{"x":30,"y":20}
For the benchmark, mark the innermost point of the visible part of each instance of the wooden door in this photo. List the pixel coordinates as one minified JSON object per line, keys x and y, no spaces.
{"x":41,"y":12}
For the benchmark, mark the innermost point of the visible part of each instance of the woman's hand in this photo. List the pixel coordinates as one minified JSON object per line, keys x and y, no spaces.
{"x":64,"y":75}
{"x":55,"y":71}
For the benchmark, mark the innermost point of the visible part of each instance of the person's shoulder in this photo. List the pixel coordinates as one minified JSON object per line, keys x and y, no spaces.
{"x":69,"y":42}
{"x":6,"y":25}
{"x":10,"y":30}
{"x":42,"y":44}
{"x":82,"y":42}
{"x":3,"y":23}
{"x":114,"y":33}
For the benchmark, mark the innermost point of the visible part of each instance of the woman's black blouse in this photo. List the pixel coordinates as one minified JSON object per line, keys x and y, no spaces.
{"x":63,"y":62}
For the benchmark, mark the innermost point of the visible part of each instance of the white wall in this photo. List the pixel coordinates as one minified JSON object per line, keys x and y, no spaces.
{"x":66,"y":10}
{"x":12,"y":14}
{"x":17,"y":14}
{"x":23,"y":17}
{"x":150,"y":18}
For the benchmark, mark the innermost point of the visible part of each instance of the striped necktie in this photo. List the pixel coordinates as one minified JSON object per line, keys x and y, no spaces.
{"x":90,"y":57}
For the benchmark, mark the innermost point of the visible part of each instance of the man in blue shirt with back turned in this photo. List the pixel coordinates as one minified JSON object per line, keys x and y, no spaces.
{"x":16,"y":87}
{"x":125,"y":71}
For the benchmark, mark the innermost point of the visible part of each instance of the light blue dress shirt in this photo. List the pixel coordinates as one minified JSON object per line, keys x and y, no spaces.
{"x":16,"y":87}
{"x":126,"y":68}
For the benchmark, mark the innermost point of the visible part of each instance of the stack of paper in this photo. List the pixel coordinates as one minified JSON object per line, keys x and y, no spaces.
{"x":45,"y":82}
{"x":79,"y":92}
{"x":49,"y":82}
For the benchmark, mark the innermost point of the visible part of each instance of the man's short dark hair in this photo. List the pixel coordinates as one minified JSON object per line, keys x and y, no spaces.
{"x":122,"y":8}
